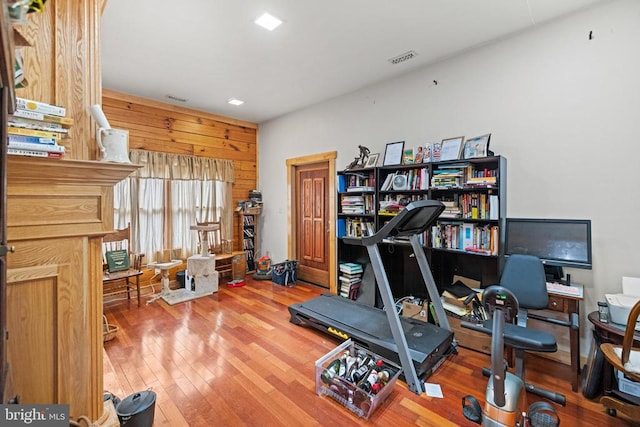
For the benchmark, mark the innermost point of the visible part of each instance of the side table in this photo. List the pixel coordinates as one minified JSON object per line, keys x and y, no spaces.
{"x":611,"y":333}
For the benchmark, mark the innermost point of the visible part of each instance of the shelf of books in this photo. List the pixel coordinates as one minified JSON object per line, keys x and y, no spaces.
{"x":471,"y":226}
{"x":249,"y":236}
{"x":357,"y":203}
{"x":37,"y":129}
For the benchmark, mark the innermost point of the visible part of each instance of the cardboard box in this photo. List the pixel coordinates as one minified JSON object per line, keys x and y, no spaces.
{"x":468,"y":338}
{"x":416,"y":311}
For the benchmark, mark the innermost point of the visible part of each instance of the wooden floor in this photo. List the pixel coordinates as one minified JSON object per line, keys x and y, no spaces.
{"x":234,"y":359}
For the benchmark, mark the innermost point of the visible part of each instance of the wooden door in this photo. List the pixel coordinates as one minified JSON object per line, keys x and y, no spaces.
{"x":313,"y":223}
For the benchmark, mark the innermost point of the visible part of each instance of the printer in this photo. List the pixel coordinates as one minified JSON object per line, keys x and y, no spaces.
{"x":620,"y":305}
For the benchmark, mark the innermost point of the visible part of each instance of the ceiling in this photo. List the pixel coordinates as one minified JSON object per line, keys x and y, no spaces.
{"x":207,"y":51}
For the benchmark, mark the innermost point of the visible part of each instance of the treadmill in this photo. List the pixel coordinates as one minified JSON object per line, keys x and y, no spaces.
{"x":419,"y":347}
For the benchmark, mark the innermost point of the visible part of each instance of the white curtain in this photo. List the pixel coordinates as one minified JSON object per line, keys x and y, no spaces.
{"x":168,"y":195}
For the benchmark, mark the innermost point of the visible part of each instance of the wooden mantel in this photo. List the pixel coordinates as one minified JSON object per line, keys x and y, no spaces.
{"x":57,"y":212}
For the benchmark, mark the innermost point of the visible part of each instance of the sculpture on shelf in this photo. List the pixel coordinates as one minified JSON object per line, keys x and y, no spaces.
{"x":360,"y":161}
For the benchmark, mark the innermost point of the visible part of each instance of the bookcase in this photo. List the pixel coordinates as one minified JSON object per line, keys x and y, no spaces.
{"x":467,"y":239}
{"x":248,"y":232}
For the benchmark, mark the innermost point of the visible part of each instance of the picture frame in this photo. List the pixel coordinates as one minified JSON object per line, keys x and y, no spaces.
{"x":372,"y":160}
{"x":407,"y":156}
{"x":419,"y":154}
{"x":450,"y":148}
{"x":393,"y":153}
{"x":477,"y":147}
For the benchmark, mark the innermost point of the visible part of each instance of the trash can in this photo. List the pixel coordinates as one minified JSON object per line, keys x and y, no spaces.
{"x":239,"y":267}
{"x":180,"y":276}
{"x":137,"y":410}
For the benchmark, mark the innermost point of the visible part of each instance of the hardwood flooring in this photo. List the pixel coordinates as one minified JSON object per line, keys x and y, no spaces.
{"x":234,"y":359}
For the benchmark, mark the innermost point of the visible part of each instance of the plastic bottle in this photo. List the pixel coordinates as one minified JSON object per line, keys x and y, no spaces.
{"x":370,"y":380}
{"x":359,"y":374}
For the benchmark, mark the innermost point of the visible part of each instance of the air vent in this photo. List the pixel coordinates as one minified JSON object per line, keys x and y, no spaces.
{"x":176,"y":98}
{"x":403,"y":57}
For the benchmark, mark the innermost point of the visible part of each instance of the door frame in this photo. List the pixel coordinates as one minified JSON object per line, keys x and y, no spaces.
{"x":292,"y":210}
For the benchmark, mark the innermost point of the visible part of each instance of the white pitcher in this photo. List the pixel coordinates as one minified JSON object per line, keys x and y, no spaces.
{"x":114,"y":145}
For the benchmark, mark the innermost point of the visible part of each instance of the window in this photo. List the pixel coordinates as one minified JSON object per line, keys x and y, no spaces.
{"x":162,"y":202}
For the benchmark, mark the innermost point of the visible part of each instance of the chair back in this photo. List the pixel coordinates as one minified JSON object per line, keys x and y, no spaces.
{"x":627,"y":343}
{"x":215,"y":238}
{"x":524,"y":276}
{"x":119,"y":240}
{"x":116,"y":241}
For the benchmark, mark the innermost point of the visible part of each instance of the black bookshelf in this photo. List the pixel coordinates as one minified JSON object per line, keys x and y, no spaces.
{"x":467,"y":240}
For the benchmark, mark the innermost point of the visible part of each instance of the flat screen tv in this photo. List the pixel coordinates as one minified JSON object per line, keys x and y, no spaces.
{"x":557,"y":242}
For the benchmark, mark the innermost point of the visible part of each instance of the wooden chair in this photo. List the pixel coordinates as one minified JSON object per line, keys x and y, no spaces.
{"x":121,"y":281}
{"x":619,"y":357}
{"x":219,"y":246}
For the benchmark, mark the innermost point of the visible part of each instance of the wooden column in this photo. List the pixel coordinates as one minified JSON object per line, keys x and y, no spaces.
{"x":57,"y":213}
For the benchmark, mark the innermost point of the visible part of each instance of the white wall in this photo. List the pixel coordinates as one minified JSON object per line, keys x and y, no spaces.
{"x":563,"y":109}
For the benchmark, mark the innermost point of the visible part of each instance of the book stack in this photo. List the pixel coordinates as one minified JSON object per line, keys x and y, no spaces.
{"x":36,"y":128}
{"x":352,"y":204}
{"x":350,"y":279}
{"x":451,"y":209}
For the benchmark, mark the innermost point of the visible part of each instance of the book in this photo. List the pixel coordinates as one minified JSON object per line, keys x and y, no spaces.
{"x":117,"y":260}
{"x":33,"y":132}
{"x":33,"y":115}
{"x":33,"y":153}
{"x":36,"y":124}
{"x":32,"y":139}
{"x":50,"y":148}
{"x":350,"y":267}
{"x":353,"y":279}
{"x":40,"y":107}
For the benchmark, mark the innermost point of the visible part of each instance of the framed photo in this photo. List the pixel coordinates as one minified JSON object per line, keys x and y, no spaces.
{"x":450,"y":148}
{"x":419,"y":154}
{"x":477,"y":147}
{"x":372,"y":161}
{"x":407,"y":156}
{"x":393,"y":153}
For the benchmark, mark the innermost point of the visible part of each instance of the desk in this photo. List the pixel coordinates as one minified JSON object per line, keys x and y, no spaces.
{"x":610,"y":333}
{"x":569,"y":306}
{"x":125,"y":277}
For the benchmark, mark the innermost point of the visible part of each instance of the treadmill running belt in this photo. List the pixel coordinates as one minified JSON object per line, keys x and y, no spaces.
{"x":369,"y":327}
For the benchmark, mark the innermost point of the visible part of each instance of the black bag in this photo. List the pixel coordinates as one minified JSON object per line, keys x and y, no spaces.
{"x":285,"y":273}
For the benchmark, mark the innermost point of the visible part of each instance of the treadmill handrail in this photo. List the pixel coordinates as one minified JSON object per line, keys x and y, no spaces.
{"x":396,"y":227}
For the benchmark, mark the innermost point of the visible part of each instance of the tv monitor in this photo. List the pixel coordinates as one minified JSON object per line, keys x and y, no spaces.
{"x":557,"y":242}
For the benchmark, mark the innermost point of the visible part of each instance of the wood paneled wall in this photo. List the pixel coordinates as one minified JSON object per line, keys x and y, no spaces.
{"x":62,"y":66}
{"x":158,"y":126}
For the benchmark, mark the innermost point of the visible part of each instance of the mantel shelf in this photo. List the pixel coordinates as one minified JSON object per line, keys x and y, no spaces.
{"x":38,"y":170}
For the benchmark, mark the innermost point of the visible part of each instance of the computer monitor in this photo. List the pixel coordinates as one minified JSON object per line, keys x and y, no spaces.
{"x":557,"y":242}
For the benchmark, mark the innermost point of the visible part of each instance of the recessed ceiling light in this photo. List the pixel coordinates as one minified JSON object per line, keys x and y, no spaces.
{"x":234,"y":101}
{"x":267,"y":21}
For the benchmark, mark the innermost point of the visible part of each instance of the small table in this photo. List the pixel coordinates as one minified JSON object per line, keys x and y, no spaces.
{"x":569,"y":305}
{"x":164,"y":268}
{"x":609,"y":333}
